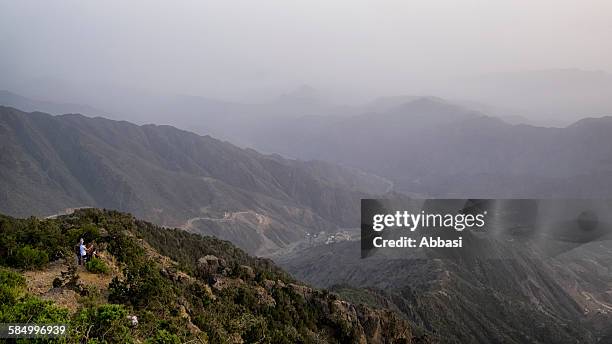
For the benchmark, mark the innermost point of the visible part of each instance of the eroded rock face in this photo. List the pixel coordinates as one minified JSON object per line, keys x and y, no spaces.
{"x":374,"y":326}
{"x":210,"y":265}
{"x":360,"y":323}
{"x":247,"y":272}
{"x":382,"y":326}
{"x":263,"y":297}
{"x":220,"y":283}
{"x":365,"y":325}
{"x":302,"y":290}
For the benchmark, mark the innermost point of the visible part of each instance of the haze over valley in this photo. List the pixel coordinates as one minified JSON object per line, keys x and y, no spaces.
{"x":157,"y":128}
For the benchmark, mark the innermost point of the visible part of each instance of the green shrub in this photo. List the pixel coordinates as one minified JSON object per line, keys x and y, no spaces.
{"x":142,"y":287}
{"x":11,"y":279}
{"x":107,"y":323}
{"x":109,"y":313}
{"x":12,"y":285}
{"x":34,"y":310}
{"x":164,"y":337}
{"x":125,"y":249}
{"x":28,"y":257}
{"x":87,"y":232}
{"x":96,"y":266}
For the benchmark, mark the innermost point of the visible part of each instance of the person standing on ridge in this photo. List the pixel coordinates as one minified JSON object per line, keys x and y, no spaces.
{"x":82,"y":252}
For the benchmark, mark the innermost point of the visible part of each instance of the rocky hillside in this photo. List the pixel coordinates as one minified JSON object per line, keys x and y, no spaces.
{"x":177,"y":286}
{"x":526,"y":298}
{"x":172,"y":177}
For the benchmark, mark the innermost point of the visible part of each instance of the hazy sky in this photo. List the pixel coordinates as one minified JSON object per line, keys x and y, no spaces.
{"x":233,"y":49}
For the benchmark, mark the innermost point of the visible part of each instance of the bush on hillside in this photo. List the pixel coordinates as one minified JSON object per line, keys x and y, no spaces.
{"x":11,"y":286}
{"x":164,"y":337}
{"x":107,"y":322}
{"x":96,"y":266}
{"x":88,"y":232}
{"x":28,"y":257}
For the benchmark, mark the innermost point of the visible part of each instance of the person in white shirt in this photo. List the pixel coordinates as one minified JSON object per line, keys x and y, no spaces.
{"x":82,"y":252}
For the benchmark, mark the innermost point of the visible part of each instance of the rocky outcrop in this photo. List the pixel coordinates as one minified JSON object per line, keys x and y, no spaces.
{"x":374,"y":326}
{"x":211,"y":265}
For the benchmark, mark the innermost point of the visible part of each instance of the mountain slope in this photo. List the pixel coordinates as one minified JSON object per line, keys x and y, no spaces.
{"x":172,"y":177}
{"x":526,"y":298}
{"x":207,"y":291}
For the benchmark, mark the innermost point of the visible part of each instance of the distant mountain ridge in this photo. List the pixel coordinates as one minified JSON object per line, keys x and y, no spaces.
{"x":560,"y":95}
{"x":28,"y":104}
{"x":230,"y":120}
{"x":431,"y":147}
{"x":261,"y":202}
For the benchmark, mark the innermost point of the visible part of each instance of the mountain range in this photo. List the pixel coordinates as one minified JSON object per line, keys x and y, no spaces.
{"x":440,"y":148}
{"x":267,"y":204}
{"x":429,"y":146}
{"x":173,"y":177}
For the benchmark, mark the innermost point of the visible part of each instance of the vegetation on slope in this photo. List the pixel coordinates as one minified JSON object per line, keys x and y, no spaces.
{"x":179,"y":286}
